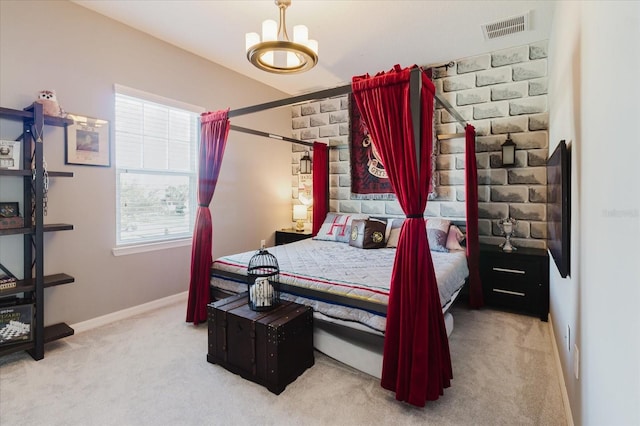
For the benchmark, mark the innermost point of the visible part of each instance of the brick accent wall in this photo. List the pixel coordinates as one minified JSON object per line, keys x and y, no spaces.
{"x":323,"y":121}
{"x":498,"y":93}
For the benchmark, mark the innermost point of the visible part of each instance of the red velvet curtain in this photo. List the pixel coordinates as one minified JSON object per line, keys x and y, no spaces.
{"x":213,"y":139}
{"x":473,"y":245}
{"x":320,"y":184}
{"x":416,"y":363}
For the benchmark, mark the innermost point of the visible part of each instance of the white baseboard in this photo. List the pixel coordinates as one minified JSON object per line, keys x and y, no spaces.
{"x":563,"y":385}
{"x":129,"y":312}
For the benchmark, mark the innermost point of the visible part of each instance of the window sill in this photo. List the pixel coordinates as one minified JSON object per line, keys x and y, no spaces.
{"x":143,"y":248}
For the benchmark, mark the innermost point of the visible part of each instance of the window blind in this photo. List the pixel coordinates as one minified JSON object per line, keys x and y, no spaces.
{"x":156,"y":171}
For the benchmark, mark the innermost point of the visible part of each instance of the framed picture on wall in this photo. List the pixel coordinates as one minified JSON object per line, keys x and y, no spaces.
{"x":9,"y":155}
{"x":88,"y":142}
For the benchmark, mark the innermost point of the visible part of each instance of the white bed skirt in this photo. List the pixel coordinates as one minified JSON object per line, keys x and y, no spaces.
{"x":364,"y":357}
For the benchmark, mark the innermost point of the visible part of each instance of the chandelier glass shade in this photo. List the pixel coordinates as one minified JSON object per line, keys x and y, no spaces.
{"x":275,"y":53}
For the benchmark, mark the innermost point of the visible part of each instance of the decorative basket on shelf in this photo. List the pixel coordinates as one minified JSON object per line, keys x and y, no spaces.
{"x":263,"y":278}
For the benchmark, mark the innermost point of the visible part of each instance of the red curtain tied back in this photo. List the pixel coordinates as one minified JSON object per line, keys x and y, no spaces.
{"x":416,"y":363}
{"x":213,"y":139}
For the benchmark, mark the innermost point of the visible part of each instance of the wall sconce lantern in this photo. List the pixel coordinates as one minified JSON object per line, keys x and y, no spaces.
{"x":305,"y":164}
{"x":508,"y":152}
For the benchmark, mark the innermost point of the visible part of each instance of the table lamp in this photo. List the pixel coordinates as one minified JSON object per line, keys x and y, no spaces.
{"x":299,"y":215}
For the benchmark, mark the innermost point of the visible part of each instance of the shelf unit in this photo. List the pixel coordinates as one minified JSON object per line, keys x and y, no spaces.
{"x":31,"y":288}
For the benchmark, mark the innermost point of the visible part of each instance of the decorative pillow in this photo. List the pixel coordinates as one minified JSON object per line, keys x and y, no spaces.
{"x":437,"y":232}
{"x":454,"y":238}
{"x":367,"y":234}
{"x":394,"y":234}
{"x":337,"y":227}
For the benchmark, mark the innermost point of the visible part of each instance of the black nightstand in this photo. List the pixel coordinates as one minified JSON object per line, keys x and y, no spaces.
{"x":286,"y":236}
{"x":517,"y":281}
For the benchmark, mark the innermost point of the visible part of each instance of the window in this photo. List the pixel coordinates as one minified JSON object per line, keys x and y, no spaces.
{"x":156,"y":141}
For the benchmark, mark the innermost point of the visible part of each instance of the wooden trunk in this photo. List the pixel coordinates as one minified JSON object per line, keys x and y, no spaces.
{"x":270,"y":348}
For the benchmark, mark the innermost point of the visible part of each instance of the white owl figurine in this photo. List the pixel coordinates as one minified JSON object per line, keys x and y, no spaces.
{"x":50,"y":105}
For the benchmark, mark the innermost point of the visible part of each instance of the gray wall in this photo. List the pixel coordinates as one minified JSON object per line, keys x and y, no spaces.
{"x":81,"y":54}
{"x":594,"y":108}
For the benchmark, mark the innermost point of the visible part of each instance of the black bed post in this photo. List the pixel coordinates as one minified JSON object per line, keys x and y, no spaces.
{"x":415,"y":87}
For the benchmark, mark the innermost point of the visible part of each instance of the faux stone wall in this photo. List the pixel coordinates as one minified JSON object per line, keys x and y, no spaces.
{"x":498,"y":93}
{"x":328,"y":121}
{"x":324,"y":121}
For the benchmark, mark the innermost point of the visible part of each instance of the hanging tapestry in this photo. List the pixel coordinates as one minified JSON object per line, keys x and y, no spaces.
{"x":369,"y":179}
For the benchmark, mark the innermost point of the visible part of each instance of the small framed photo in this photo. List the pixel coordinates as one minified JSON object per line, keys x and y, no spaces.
{"x":10,"y":155}
{"x":11,"y":209}
{"x":88,"y":142}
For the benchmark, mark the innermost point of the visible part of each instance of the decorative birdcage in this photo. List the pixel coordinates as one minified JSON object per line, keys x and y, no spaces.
{"x":263,"y":277}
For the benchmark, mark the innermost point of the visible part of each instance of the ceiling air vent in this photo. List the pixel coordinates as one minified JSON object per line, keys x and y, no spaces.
{"x":507,"y":26}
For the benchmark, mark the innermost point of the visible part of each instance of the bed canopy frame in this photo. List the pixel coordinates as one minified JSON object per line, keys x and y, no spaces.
{"x":415,"y":102}
{"x":330,"y":93}
{"x":415,"y":90}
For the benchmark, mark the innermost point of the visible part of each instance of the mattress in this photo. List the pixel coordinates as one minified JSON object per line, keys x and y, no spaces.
{"x":338,"y":280}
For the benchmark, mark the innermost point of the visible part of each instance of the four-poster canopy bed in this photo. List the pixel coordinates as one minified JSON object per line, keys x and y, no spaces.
{"x":398,"y":108}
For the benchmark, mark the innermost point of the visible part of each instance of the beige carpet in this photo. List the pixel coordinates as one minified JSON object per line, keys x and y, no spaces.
{"x":152,"y":370}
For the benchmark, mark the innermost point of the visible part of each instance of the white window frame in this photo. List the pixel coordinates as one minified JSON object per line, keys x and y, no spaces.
{"x":125,"y":248}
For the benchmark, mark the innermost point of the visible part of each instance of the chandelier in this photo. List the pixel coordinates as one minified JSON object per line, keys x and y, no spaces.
{"x":275,"y":53}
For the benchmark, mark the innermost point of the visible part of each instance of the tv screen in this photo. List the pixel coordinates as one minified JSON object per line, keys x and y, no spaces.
{"x":559,"y":207}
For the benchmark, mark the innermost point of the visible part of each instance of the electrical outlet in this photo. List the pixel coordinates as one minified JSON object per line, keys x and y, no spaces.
{"x":262,"y":243}
{"x":576,"y":362}
{"x":568,"y":337}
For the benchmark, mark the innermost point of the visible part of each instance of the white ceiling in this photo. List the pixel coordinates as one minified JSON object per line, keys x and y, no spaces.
{"x":355,"y":37}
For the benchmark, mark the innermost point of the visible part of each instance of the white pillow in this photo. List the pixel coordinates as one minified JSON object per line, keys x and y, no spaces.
{"x":437,"y":232}
{"x":394,"y":234}
{"x":337,"y":227}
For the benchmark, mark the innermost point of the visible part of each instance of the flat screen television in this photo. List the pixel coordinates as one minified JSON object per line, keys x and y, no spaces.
{"x":559,"y":207}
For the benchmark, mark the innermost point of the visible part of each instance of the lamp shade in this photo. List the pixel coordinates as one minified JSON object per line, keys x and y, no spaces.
{"x":299,"y":212}
{"x":251,"y":39}
{"x":300,"y":34}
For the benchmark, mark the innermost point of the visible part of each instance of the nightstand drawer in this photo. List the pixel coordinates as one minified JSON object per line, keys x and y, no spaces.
{"x":510,"y":269}
{"x":517,"y":295}
{"x":515,"y":287}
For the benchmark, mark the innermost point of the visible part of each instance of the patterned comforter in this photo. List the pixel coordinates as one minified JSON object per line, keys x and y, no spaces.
{"x":339,"y":280}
